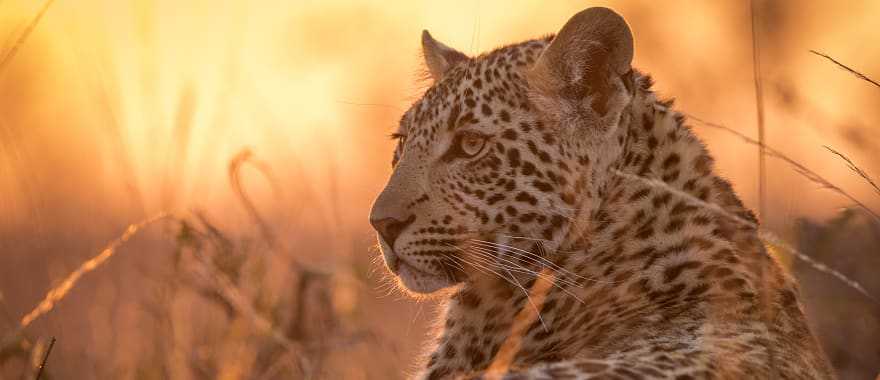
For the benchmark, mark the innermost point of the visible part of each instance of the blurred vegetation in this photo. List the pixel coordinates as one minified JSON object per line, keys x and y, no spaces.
{"x":847,"y":324}
{"x":112,"y":110}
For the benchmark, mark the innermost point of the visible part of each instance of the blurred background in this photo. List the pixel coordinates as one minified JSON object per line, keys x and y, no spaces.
{"x":262,"y":128}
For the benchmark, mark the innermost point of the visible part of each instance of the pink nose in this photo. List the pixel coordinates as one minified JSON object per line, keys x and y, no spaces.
{"x":390,"y":229}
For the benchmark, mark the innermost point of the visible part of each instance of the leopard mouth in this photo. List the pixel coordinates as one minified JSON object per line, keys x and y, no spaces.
{"x":420,"y":281}
{"x":419,"y":274}
{"x":401,"y":264}
{"x":423,"y":277}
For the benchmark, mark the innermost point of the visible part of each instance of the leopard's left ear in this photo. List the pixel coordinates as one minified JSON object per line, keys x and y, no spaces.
{"x":439,"y":57}
{"x":577,"y":79}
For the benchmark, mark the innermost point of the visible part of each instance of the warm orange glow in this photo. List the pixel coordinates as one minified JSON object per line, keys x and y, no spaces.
{"x":161,"y":93}
{"x":112,"y":111}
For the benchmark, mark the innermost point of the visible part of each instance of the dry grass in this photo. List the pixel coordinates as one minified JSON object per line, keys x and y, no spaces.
{"x":16,"y":342}
{"x":759,"y":108}
{"x":45,"y":358}
{"x":7,"y":57}
{"x":289,"y":336}
{"x":855,"y":169}
{"x":810,"y":175}
{"x":255,"y":328}
{"x":847,"y":68}
{"x":59,"y":292}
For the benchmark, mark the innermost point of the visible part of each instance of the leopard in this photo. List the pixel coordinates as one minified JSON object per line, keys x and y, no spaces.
{"x":573,"y":226}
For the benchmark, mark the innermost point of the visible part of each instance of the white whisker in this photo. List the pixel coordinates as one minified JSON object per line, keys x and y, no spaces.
{"x":554,"y":280}
{"x":526,"y":292}
{"x":541,"y":259}
{"x":518,"y":267}
{"x":513,"y":281}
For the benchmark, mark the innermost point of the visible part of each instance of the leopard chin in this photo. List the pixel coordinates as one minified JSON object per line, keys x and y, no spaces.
{"x":421,"y":282}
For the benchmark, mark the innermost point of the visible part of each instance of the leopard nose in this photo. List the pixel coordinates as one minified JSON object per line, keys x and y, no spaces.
{"x":390,"y":228}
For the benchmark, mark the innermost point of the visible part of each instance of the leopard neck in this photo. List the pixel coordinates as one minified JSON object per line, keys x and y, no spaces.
{"x":670,"y":166}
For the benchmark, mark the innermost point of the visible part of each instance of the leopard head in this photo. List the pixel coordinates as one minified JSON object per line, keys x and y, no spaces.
{"x":503,"y":151}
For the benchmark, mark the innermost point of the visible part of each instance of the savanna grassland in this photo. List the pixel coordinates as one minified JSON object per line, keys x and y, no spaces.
{"x":184,"y":185}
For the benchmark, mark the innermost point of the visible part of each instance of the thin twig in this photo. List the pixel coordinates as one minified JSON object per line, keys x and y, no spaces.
{"x":769,"y":237}
{"x":246,"y":156}
{"x":847,"y":68}
{"x":45,"y":358}
{"x":800,"y":169}
{"x":24,"y":35}
{"x":759,"y":104}
{"x":58,"y":293}
{"x":852,"y":166}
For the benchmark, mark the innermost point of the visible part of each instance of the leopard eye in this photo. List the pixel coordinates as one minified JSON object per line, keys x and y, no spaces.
{"x":472,"y":144}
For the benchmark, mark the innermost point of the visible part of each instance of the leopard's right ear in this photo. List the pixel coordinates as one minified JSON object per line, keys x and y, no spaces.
{"x":577,"y":79}
{"x":439,"y":57}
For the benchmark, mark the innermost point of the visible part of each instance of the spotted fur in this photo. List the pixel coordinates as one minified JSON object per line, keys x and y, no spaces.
{"x":534,"y":161}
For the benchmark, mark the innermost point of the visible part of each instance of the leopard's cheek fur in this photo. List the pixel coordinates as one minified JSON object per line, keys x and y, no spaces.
{"x":514,"y":194}
{"x":523,"y":194}
{"x":449,"y":208}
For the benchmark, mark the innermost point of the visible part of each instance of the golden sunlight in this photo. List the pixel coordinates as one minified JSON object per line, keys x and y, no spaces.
{"x":114,"y":111}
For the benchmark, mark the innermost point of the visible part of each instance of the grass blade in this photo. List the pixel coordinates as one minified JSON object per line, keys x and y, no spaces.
{"x":24,"y":36}
{"x":847,"y":68}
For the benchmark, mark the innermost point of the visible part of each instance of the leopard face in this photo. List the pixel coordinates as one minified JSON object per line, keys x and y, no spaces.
{"x":504,"y":151}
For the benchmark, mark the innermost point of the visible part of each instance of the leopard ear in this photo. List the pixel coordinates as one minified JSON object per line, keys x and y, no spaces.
{"x":439,"y":57}
{"x":577,"y":77}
